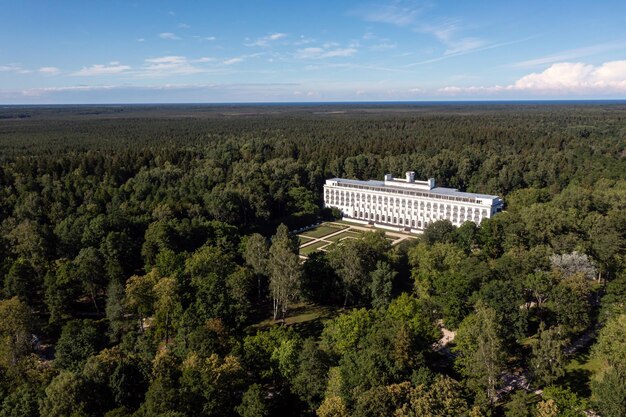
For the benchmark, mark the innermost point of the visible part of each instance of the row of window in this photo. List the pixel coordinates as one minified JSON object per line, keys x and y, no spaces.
{"x":428,"y":208}
{"x":342,"y":198}
{"x":404,"y":222}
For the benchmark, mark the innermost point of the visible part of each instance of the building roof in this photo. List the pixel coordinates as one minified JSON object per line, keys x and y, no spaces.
{"x":453,"y":192}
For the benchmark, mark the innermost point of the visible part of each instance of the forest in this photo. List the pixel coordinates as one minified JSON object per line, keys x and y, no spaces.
{"x":148,"y":263}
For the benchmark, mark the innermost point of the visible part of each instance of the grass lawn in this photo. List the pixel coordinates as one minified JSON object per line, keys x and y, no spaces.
{"x":347,"y":233}
{"x":304,"y":239}
{"x":311,"y":248}
{"x":580,"y":371}
{"x":305,"y":317}
{"x":321,"y":231}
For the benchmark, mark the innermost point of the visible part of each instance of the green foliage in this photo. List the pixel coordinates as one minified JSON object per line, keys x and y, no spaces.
{"x":548,"y":360}
{"x":151,"y":237}
{"x":520,"y":405}
{"x":252,"y":404}
{"x":309,"y":381}
{"x":23,"y":402}
{"x":609,"y":393}
{"x":382,"y":284}
{"x":15,"y":331}
{"x":480,"y":351}
{"x":567,"y":403}
{"x":285,"y":271}
{"x":441,"y":231}
{"x":79,"y":340}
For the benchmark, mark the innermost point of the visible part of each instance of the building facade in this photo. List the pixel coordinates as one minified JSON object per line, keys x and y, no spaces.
{"x":405,"y":203}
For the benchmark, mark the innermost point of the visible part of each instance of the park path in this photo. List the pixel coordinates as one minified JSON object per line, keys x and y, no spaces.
{"x":396,"y":236}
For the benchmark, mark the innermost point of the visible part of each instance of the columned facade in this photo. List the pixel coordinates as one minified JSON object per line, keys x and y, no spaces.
{"x":407,"y":203}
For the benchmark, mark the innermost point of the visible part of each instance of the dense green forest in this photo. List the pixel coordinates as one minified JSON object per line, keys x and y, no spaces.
{"x":146,"y":250}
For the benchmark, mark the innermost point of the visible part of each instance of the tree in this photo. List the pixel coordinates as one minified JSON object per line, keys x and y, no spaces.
{"x":480,"y":352}
{"x":79,"y":339}
{"x":443,"y":398}
{"x":62,"y":288}
{"x":285,"y":271}
{"x":440,"y":231}
{"x":333,"y":406}
{"x":22,"y":281}
{"x":466,"y":236}
{"x":519,"y":405}
{"x":115,"y":310}
{"x":309,"y":382}
{"x":252,"y":403}
{"x":609,"y":393}
{"x":567,"y":403}
{"x":611,"y":345}
{"x":256,"y":254}
{"x":65,"y":396}
{"x":547,"y":408}
{"x":240,"y":285}
{"x":382,"y":284}
{"x":208,"y":269}
{"x":570,"y":303}
{"x":548,"y":360}
{"x":90,"y":271}
{"x":539,"y":285}
{"x":23,"y":402}
{"x":346,"y":259}
{"x":573,"y":263}
{"x":507,"y":298}
{"x":15,"y":331}
{"x":140,"y":295}
{"x":167,"y":306}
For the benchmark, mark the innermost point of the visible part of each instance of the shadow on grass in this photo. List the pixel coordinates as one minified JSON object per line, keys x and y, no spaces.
{"x":578,"y":381}
{"x":306,"y":319}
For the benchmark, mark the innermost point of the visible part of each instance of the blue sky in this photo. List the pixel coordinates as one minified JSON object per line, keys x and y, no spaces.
{"x":293,"y":51}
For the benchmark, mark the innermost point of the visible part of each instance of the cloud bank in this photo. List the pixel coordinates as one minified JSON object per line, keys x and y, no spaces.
{"x":566,"y":78}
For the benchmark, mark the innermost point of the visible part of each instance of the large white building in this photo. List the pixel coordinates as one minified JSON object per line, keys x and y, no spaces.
{"x":406,"y":203}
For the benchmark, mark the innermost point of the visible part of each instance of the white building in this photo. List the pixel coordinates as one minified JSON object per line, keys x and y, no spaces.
{"x":406,"y":203}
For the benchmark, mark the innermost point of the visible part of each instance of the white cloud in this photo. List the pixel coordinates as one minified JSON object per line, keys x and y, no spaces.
{"x":49,"y":70}
{"x":95,"y":70}
{"x":167,"y":65}
{"x":566,"y":78}
{"x":384,"y":46}
{"x":399,"y":13}
{"x":184,"y":26}
{"x":448,"y":34}
{"x":168,"y":36}
{"x":569,"y":55}
{"x":204,"y":59}
{"x":140,"y":40}
{"x":10,"y":68}
{"x":232,"y":61}
{"x":14,"y":68}
{"x":321,"y":53}
{"x":209,"y":38}
{"x":266,"y":40}
{"x":241,"y":58}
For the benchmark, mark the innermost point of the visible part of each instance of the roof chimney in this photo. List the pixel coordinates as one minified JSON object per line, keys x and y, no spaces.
{"x":410,"y":176}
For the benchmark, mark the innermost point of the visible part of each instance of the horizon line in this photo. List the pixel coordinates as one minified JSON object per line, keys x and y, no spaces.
{"x":314,"y":103}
